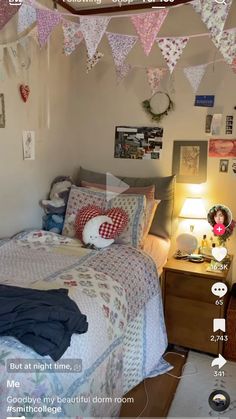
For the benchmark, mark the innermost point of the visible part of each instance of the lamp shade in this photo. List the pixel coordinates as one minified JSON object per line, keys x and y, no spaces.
{"x":193,"y":208}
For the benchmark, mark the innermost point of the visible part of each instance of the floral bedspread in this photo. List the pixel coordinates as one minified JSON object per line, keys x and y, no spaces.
{"x":118,"y":290}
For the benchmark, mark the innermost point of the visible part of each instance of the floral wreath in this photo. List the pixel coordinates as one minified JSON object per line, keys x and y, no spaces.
{"x":146,"y":104}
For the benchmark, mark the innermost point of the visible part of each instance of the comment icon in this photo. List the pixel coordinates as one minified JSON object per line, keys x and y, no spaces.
{"x":219,"y":289}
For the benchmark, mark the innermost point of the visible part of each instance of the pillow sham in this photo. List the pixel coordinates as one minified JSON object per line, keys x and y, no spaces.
{"x":133,"y":205}
{"x":148,"y":191}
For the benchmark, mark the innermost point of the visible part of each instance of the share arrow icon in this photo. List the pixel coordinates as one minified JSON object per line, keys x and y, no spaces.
{"x":220,"y":361}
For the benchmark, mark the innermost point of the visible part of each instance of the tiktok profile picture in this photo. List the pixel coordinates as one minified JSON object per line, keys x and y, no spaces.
{"x":219,"y":214}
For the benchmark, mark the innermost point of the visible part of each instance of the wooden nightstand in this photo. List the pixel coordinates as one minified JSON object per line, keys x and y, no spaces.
{"x":189,"y":304}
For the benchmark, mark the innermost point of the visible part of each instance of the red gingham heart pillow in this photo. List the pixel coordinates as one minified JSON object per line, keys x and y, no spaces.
{"x":106,"y":230}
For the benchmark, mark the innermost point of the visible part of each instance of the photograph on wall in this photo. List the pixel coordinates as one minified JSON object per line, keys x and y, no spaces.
{"x":189,"y":162}
{"x":2,"y":111}
{"x":222,"y":148}
{"x":28,"y":142}
{"x":224,"y":166}
{"x":141,"y":143}
{"x":233,"y":166}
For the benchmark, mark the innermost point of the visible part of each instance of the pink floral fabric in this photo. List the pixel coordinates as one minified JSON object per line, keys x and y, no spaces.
{"x":154,"y":76}
{"x":7,"y":11}
{"x":227,"y":45}
{"x":120,"y":45}
{"x":172,"y":49}
{"x":93,"y":29}
{"x":47,"y":20}
{"x":147,"y":26}
{"x":195,"y":74}
{"x":72,"y":36}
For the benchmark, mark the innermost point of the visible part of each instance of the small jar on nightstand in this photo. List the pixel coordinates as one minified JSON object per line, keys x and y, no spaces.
{"x":190,"y":306}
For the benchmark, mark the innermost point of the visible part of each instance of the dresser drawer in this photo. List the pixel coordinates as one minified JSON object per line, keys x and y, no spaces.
{"x":189,"y":286}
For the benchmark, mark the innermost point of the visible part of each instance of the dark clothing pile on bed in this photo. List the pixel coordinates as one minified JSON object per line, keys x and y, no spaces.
{"x":43,"y":320}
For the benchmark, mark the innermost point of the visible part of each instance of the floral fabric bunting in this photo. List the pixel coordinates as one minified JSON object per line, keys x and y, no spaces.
{"x":154,"y":76}
{"x":26,"y":17}
{"x":72,"y":36}
{"x":195,"y":74}
{"x":7,"y":11}
{"x":172,"y":49}
{"x":227,"y":45}
{"x":214,"y":15}
{"x":93,"y":29}
{"x":47,"y":20}
{"x":91,"y":62}
{"x":122,"y":71}
{"x":120,"y":45}
{"x":147,"y":26}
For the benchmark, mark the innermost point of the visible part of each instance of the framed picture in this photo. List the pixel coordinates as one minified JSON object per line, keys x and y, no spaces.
{"x":2,"y":111}
{"x":190,"y":161}
{"x":28,"y":142}
{"x":224,"y":166}
{"x":141,"y":143}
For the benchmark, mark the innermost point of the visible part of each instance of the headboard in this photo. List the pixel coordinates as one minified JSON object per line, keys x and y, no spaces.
{"x":164,"y":186}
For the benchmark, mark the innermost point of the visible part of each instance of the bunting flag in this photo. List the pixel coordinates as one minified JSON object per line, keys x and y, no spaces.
{"x":120,"y":45}
{"x":172,"y":49}
{"x":233,"y":66}
{"x":122,"y":71}
{"x":26,"y":17}
{"x":91,"y":62}
{"x":47,"y":20}
{"x":7,"y":11}
{"x":93,"y":29}
{"x":227,"y":45}
{"x":72,"y":36}
{"x":154,"y":76}
{"x":214,"y":15}
{"x":195,"y":74}
{"x":147,"y":26}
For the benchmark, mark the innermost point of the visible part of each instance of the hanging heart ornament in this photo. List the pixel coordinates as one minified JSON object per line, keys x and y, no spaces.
{"x":24,"y":91}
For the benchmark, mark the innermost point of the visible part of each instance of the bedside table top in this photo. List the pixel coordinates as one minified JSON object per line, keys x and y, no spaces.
{"x":195,"y":268}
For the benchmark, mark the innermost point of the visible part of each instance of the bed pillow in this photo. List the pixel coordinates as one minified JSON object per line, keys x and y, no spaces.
{"x":164,"y":190}
{"x":133,"y":205}
{"x":148,"y":191}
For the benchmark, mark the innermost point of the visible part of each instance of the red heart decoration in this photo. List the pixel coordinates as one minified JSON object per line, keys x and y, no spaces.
{"x":24,"y":91}
{"x":106,"y":230}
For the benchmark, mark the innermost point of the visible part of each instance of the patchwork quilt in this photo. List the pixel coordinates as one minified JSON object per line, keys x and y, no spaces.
{"x":118,"y":290}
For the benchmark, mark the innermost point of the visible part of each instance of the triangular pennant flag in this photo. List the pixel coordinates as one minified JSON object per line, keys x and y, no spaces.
{"x":91,"y":62}
{"x":2,"y":70}
{"x":195,"y":74}
{"x":154,"y":76}
{"x":233,"y":66}
{"x":7,"y":11}
{"x":122,"y":71}
{"x":26,"y":17}
{"x":172,"y":49}
{"x":13,"y":53}
{"x":93,"y":29}
{"x":120,"y":45}
{"x":227,"y":45}
{"x":72,"y":36}
{"x":47,"y":20}
{"x":147,"y":26}
{"x":214,"y":15}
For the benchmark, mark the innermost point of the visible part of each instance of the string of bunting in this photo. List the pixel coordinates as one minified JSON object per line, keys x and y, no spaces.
{"x":91,"y":30}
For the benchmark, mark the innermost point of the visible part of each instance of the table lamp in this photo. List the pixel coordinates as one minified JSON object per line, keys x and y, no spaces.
{"x":193,"y":208}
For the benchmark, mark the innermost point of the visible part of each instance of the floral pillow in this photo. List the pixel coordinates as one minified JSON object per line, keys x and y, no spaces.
{"x":133,"y":205}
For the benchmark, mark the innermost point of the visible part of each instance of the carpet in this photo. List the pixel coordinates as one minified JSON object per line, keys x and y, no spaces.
{"x":196,"y":385}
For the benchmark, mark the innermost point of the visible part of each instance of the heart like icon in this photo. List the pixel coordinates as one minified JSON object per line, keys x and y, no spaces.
{"x":219,"y":253}
{"x":24,"y":91}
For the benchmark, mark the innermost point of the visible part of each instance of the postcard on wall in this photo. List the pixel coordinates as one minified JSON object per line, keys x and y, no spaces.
{"x":222,"y":148}
{"x":190,"y":161}
{"x":28,"y":142}
{"x":233,"y":166}
{"x":143,"y":143}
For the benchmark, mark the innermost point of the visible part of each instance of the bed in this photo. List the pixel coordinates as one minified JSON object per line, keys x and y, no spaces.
{"x":118,"y":290}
